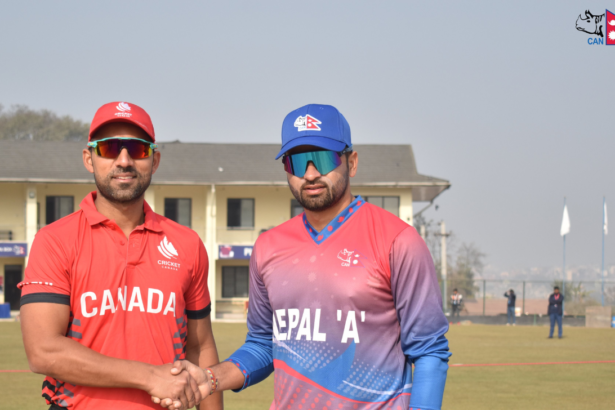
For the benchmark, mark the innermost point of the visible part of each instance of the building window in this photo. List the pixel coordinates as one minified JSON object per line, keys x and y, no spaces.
{"x":58,"y":207}
{"x":179,"y":210}
{"x":295,"y":208}
{"x":388,"y":203}
{"x":235,"y":281}
{"x":240,"y":213}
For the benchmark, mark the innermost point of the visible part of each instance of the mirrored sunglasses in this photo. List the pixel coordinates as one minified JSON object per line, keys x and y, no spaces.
{"x":111,"y":147}
{"x":324,"y":161}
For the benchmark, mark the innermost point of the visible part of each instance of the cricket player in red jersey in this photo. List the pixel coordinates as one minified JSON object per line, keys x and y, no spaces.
{"x":114,"y":293}
{"x":344,"y":298}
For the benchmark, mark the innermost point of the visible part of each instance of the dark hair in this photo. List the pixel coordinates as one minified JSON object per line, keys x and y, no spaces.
{"x":455,"y":290}
{"x":556,"y":287}
{"x":512,"y":291}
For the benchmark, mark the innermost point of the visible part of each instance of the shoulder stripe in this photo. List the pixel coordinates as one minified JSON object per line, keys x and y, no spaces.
{"x":199,"y":314}
{"x":45,"y":298}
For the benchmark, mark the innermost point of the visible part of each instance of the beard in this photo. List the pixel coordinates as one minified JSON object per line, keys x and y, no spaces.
{"x":327,"y":199}
{"x":125,"y":194}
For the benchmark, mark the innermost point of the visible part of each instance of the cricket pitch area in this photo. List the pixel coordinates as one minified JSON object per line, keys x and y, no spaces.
{"x":521,"y":369}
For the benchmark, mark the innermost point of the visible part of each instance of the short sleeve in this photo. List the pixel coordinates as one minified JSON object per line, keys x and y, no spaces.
{"x":198,"y":302}
{"x":47,"y":277}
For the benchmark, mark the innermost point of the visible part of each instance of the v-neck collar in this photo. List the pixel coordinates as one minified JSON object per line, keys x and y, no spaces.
{"x":335,"y":224}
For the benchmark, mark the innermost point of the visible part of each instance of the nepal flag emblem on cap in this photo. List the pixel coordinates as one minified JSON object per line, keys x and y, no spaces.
{"x":307,"y":123}
{"x":610,"y":28}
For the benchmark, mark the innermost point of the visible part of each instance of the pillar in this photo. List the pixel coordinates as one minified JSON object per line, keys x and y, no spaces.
{"x":150,"y":198}
{"x":405,"y":207}
{"x":211,"y":246}
{"x":31,"y":216}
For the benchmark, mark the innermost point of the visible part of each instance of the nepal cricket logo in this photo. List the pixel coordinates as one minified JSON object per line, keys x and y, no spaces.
{"x":307,"y":123}
{"x":226,"y":252}
{"x":597,"y":24}
{"x":351,"y":258}
{"x":19,"y":250}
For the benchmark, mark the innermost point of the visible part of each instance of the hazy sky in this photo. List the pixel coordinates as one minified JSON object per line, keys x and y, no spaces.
{"x":504,"y":99}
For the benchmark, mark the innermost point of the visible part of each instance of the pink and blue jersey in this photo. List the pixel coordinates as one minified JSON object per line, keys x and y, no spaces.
{"x":341,"y":315}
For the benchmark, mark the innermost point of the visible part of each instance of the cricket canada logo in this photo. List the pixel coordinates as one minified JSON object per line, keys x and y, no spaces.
{"x":597,"y":25}
{"x":307,"y":123}
{"x":123,"y":107}
{"x":167,"y":250}
{"x":124,"y":110}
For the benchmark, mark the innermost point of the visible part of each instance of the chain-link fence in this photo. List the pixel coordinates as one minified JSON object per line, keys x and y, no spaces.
{"x":485,"y":297}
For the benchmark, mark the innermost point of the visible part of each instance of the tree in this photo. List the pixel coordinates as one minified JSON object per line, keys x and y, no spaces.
{"x":576,"y":297}
{"x":464,"y":262}
{"x":23,"y":123}
{"x":469,"y":261}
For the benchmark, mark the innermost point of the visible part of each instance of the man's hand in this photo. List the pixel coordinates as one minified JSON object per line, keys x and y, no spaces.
{"x":176,"y":384}
{"x":197,"y":376}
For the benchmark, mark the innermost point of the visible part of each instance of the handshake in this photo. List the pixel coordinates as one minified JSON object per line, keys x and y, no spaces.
{"x":180,"y":386}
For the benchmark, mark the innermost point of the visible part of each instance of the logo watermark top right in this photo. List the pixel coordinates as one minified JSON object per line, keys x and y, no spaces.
{"x":602,"y":26}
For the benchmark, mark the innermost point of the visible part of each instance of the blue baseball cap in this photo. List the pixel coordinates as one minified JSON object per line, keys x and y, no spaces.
{"x":314,"y":124}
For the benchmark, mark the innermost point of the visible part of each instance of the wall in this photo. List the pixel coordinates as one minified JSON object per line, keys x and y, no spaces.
{"x":77,"y":191}
{"x":271,"y":208}
{"x":404,"y":194}
{"x":12,"y":209}
{"x":198,"y":195}
{"x":219,"y":264}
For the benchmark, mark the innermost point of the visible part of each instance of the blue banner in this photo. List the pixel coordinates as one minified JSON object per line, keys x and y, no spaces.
{"x":12,"y":249}
{"x":234,"y":252}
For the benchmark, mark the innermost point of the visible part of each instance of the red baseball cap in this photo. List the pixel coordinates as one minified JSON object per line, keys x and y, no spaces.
{"x":120,"y":111}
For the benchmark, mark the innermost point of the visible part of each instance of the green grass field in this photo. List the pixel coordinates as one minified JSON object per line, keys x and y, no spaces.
{"x":573,"y":386}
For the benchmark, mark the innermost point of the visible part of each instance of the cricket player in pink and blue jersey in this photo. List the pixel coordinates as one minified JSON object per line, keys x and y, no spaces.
{"x":344,"y":298}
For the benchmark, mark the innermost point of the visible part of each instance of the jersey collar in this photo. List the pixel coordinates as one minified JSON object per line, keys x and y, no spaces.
{"x":94,"y":217}
{"x":335,"y":224}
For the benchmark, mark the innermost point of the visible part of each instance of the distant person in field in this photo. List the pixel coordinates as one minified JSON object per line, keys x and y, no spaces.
{"x":456,"y":302}
{"x":344,"y":298}
{"x":115,"y":293}
{"x":556,"y":311}
{"x":510,"y":310}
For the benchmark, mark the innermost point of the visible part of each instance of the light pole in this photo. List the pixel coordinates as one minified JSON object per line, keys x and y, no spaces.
{"x":443,"y":265}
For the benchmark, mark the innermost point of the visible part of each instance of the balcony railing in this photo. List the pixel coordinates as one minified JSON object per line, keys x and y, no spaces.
{"x":239,"y":236}
{"x":12,"y":233}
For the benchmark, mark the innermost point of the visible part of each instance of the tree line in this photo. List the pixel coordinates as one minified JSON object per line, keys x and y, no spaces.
{"x":464,"y":261}
{"x":20,"y":122}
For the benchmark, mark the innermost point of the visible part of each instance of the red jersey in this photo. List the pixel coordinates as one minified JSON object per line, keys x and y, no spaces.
{"x":129,"y":298}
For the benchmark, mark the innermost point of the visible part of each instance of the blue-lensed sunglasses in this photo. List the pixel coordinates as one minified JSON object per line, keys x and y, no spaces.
{"x":111,"y":147}
{"x":324,"y":161}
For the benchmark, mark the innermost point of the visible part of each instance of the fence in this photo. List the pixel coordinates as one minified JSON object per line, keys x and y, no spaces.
{"x":485,"y":297}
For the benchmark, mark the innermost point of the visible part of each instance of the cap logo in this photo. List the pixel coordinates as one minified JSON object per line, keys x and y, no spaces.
{"x":123,"y":107}
{"x":307,"y":123}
